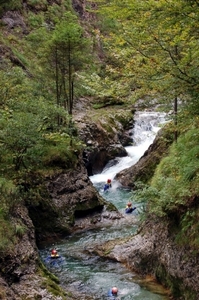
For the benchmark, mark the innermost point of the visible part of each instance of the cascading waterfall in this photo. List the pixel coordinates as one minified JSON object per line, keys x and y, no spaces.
{"x":145,"y":129}
{"x":91,"y":275}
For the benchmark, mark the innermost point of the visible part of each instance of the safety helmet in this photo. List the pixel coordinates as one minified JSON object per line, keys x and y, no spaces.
{"x":109,"y":180}
{"x":114,"y":290}
{"x":129,"y":204}
{"x":54,"y":252}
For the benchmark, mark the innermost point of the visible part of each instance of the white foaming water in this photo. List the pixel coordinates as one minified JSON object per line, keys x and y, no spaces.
{"x":146,"y":126}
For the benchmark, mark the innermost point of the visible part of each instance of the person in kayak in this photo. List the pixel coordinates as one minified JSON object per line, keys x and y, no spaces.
{"x":129,"y":209}
{"x":107,"y":185}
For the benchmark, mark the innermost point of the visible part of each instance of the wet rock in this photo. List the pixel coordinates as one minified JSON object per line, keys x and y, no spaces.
{"x":21,"y":276}
{"x":155,"y":252}
{"x":68,"y":195}
{"x":101,"y":147}
{"x":144,"y":169}
{"x":105,"y":137}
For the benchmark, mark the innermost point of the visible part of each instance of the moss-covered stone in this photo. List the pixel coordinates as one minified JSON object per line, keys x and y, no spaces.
{"x":176,"y":285}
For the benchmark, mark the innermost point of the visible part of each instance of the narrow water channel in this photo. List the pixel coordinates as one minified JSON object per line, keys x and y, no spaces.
{"x":89,"y":275}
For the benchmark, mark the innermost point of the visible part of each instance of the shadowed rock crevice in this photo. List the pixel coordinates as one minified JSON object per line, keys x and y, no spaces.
{"x":88,"y":212}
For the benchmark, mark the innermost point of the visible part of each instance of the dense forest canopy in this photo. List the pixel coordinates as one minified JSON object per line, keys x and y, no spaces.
{"x":155,"y":46}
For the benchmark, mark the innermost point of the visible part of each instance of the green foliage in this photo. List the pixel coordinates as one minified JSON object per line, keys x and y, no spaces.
{"x":68,"y":29}
{"x":20,"y":230}
{"x":66,"y":53}
{"x":155,"y":47}
{"x":10,"y":198}
{"x":27,"y":121}
{"x":149,"y":196}
{"x":10,"y":4}
{"x":18,"y":136}
{"x":58,"y":151}
{"x":6,"y":235}
{"x":107,"y":91}
{"x":20,"y":57}
{"x":38,"y":4}
{"x":36,"y":22}
{"x":14,"y":85}
{"x":174,"y":190}
{"x":189,"y":227}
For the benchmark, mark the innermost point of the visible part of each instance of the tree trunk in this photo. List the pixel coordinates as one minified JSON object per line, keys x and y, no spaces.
{"x":175,"y":118}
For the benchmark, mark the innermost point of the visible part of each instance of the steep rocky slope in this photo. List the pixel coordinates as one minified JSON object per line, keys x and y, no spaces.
{"x":64,"y":198}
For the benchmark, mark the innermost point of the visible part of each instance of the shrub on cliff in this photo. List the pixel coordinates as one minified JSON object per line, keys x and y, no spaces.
{"x":174,"y":189}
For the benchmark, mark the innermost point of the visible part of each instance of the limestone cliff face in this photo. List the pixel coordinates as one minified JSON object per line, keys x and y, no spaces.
{"x":21,"y":274}
{"x":153,"y":251}
{"x":70,"y":195}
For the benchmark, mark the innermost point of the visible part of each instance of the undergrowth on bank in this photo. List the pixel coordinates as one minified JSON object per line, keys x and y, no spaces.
{"x":173,"y":192}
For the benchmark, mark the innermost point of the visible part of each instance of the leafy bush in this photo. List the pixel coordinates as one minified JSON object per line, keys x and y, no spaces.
{"x":174,"y":189}
{"x":9,"y":199}
{"x":61,"y":150}
{"x":38,"y":4}
{"x":10,"y":4}
{"x":20,"y":229}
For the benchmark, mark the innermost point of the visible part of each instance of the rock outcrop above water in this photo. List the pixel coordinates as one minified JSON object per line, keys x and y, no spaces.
{"x":22,"y":276}
{"x":144,"y":169}
{"x":105,"y":132}
{"x":156,"y":252}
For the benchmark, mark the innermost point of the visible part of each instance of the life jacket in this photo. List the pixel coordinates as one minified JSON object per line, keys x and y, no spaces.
{"x":129,"y":210}
{"x":106,"y":187}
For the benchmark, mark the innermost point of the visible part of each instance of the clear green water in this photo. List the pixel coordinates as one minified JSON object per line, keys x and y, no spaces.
{"x":87,"y":274}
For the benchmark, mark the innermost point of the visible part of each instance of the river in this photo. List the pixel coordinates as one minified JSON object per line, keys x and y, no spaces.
{"x":89,"y":275}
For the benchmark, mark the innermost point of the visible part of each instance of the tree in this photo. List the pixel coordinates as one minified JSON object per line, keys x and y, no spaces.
{"x":67,"y":51}
{"x":26,"y":122}
{"x":158,"y":41}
